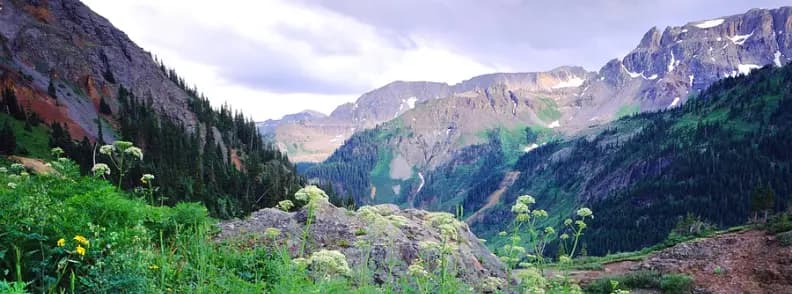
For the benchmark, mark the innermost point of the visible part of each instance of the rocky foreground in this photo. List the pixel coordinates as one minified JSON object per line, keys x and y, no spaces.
{"x":390,"y":238}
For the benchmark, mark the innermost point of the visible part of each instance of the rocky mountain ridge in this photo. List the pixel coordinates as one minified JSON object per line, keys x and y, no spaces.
{"x":86,"y":58}
{"x":663,"y":71}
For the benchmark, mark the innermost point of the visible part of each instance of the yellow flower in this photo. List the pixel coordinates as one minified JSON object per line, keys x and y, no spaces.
{"x":80,"y":250}
{"x":61,"y":242}
{"x":153,"y":267}
{"x":82,"y":240}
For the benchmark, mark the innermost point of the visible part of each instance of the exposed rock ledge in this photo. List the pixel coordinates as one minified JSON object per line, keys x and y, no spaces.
{"x":385,"y":233}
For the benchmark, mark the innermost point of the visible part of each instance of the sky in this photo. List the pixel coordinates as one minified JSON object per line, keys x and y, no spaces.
{"x":274,"y":57}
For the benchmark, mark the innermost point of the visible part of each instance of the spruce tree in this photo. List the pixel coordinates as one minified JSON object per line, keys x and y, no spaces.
{"x":52,"y":91}
{"x":7,"y":139}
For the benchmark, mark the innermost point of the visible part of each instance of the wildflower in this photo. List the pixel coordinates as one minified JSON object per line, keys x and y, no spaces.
{"x":80,"y":250}
{"x":271,"y":233}
{"x":492,"y":284}
{"x":134,"y":152}
{"x":3,"y":170}
{"x":106,"y":149}
{"x":549,"y":231}
{"x":564,"y":259}
{"x":515,"y":238}
{"x":82,"y":240}
{"x":449,"y":231}
{"x":502,"y":234}
{"x":580,"y":224}
{"x":428,"y":245}
{"x":146,"y":178}
{"x":61,"y":242}
{"x":540,"y":213}
{"x":285,"y":205}
{"x":584,"y":212}
{"x":300,"y":262}
{"x":329,"y":262}
{"x":122,"y":145}
{"x":520,"y":207}
{"x":100,"y":169}
{"x":57,"y":152}
{"x":311,"y":194}
{"x":523,"y":217}
{"x":417,"y":270}
{"x":24,"y":174}
{"x":16,"y":167}
{"x":526,"y":199}
{"x":12,"y":185}
{"x":154,"y":267}
{"x":564,"y":236}
{"x":568,"y":222}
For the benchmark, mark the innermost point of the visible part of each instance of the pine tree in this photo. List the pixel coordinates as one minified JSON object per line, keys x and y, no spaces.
{"x":52,"y":91}
{"x":104,"y":108}
{"x":7,"y":139}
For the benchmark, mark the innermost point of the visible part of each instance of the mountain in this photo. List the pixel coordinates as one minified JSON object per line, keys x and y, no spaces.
{"x":481,"y":149}
{"x":64,"y":66}
{"x":662,"y":72}
{"x":269,"y":126}
{"x":313,"y":140}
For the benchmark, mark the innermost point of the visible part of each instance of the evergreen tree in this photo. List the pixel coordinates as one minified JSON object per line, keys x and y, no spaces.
{"x":7,"y":139}
{"x":51,"y":90}
{"x":104,"y":108}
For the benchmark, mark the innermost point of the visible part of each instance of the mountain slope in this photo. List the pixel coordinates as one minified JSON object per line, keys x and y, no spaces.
{"x":313,"y":140}
{"x":662,"y":72}
{"x":66,"y":66}
{"x":640,"y":173}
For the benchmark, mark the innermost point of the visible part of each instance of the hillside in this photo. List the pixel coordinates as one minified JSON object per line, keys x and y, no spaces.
{"x":443,"y":139}
{"x":68,"y":71}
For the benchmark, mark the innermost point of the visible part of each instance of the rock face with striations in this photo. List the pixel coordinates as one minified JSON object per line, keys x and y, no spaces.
{"x":87,"y":59}
{"x":385,"y":237}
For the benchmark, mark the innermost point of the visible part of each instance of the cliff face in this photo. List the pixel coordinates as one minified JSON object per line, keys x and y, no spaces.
{"x":85,"y":57}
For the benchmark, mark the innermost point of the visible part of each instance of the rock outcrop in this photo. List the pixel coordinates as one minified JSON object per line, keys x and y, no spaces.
{"x":86,"y":58}
{"x":385,"y":237}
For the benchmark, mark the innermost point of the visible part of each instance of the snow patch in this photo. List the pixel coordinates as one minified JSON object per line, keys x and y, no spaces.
{"x":652,"y":77}
{"x":570,"y":83}
{"x":777,"y":59}
{"x":411,"y":102}
{"x":674,"y":103}
{"x":685,"y":31}
{"x":594,"y":118}
{"x":746,"y":68}
{"x":420,"y":186}
{"x":554,"y":125}
{"x":740,"y":39}
{"x":530,"y":148}
{"x":709,"y":23}
{"x":631,"y":74}
{"x":672,"y":63}
{"x":691,"y":77}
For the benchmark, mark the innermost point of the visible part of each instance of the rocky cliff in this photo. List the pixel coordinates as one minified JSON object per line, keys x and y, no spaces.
{"x":85,"y":57}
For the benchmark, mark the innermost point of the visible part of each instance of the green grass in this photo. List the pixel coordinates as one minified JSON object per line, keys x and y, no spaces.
{"x":548,"y":110}
{"x":627,"y":110}
{"x":132,"y":247}
{"x":35,"y":141}
{"x":668,"y":283}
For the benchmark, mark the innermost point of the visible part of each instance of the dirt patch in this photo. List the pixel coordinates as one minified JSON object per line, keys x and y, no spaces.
{"x":495,"y":197}
{"x":36,"y":165}
{"x":742,"y":262}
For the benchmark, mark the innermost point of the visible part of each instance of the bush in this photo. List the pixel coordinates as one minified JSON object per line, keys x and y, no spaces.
{"x":669,"y":283}
{"x":676,"y":284}
{"x":785,"y":238}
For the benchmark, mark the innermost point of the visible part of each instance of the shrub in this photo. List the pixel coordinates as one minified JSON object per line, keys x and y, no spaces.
{"x":785,"y":238}
{"x":676,"y":284}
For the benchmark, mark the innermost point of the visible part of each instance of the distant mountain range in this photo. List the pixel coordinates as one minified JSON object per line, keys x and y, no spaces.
{"x":663,"y":71}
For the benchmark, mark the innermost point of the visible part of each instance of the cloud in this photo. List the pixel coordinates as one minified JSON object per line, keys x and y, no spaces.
{"x":273,"y":57}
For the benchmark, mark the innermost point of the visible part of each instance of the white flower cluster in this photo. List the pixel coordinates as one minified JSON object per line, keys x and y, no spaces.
{"x":100,"y":169}
{"x":311,"y":194}
{"x":328,"y":263}
{"x":285,"y":205}
{"x":146,"y":179}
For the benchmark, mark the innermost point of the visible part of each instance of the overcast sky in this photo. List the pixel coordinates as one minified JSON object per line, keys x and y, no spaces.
{"x":274,"y":57}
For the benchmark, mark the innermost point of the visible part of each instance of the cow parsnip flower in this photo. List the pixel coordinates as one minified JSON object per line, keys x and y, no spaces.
{"x":106,"y":149}
{"x":100,"y":169}
{"x":584,"y":212}
{"x":134,"y":152}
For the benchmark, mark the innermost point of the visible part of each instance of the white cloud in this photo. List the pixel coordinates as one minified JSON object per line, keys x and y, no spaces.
{"x":302,"y":49}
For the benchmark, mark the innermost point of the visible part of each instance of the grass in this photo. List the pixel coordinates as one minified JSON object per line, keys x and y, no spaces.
{"x":35,"y":141}
{"x":548,"y":110}
{"x":68,"y":233}
{"x":627,"y":110}
{"x":668,"y":283}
